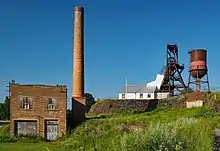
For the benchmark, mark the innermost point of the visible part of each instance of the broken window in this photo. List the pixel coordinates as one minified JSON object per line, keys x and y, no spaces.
{"x":51,"y":104}
{"x":26,"y":103}
{"x":26,"y":127}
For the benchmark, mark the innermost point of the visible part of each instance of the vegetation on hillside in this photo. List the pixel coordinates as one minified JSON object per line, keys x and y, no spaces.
{"x":166,"y":128}
{"x":161,"y":129}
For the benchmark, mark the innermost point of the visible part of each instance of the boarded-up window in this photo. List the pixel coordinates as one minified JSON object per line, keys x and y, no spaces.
{"x":52,"y":130}
{"x":26,"y":127}
{"x":26,"y":103}
{"x":51,"y":104}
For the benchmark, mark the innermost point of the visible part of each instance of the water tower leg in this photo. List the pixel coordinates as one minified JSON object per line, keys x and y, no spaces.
{"x":197,"y":82}
{"x":207,"y":77}
{"x":189,"y":81}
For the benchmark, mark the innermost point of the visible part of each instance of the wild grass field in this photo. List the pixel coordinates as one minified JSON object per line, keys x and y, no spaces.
{"x":167,"y":129}
{"x":29,"y":147}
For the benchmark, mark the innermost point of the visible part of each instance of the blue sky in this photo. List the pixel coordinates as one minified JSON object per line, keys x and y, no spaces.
{"x":122,"y":39}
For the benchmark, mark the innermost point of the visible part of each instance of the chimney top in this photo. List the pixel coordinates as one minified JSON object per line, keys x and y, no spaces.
{"x":78,"y":8}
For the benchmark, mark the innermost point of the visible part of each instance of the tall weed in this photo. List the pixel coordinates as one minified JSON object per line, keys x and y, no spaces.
{"x":183,"y":134}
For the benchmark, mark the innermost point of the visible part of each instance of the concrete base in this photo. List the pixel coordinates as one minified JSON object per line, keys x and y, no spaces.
{"x":197,"y":103}
{"x":79,"y":110}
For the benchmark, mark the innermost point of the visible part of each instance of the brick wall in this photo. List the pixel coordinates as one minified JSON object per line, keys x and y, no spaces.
{"x":39,"y":111}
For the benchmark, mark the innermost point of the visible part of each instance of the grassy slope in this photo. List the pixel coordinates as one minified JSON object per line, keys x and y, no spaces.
{"x":108,"y":131}
{"x":28,"y":147}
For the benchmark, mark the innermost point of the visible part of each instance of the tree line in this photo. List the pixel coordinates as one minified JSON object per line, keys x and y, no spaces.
{"x":5,"y":109}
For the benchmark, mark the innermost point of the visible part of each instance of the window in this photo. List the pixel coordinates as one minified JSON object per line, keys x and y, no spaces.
{"x":141,"y":95}
{"x":51,"y":104}
{"x":148,"y":95}
{"x":123,"y":96}
{"x":26,"y":103}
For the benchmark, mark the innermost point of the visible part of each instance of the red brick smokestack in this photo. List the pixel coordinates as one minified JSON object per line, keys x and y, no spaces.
{"x":78,"y":100}
{"x":78,"y":65}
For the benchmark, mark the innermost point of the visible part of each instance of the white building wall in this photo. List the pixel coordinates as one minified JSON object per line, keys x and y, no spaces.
{"x":197,"y":103}
{"x":127,"y":96}
{"x":162,"y":95}
{"x":146,"y":96}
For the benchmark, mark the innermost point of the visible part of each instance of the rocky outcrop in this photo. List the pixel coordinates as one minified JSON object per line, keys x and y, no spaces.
{"x":119,"y":106}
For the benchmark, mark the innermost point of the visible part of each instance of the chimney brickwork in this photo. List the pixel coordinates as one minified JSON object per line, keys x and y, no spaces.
{"x":78,"y":65}
{"x":78,"y":99}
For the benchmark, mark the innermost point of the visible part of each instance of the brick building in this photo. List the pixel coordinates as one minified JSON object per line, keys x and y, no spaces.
{"x":38,"y":110}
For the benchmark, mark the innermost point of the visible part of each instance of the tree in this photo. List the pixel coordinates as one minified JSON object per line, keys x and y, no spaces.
{"x":68,"y":112}
{"x":90,"y":100}
{"x":5,"y":109}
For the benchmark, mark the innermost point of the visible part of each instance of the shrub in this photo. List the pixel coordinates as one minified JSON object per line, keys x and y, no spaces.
{"x":5,"y":130}
{"x":206,"y":113}
{"x":5,"y":137}
{"x":183,"y":134}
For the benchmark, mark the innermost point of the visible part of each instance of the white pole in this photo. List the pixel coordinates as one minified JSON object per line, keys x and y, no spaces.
{"x":126,"y":87}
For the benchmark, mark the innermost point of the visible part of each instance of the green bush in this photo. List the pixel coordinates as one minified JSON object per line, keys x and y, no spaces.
{"x":5,"y":137}
{"x":5,"y":130}
{"x":206,"y":113}
{"x":172,"y":129}
{"x":184,"y":134}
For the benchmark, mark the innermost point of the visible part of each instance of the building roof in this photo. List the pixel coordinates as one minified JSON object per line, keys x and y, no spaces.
{"x":38,"y":85}
{"x":139,"y":89}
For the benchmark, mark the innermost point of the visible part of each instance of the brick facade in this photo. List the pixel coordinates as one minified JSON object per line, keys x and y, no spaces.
{"x":39,"y":112}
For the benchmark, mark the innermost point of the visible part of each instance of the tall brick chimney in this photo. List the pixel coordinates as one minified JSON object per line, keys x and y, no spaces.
{"x":78,"y":65}
{"x":78,"y":100}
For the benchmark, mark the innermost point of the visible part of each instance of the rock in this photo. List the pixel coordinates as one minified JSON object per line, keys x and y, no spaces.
{"x":119,"y":106}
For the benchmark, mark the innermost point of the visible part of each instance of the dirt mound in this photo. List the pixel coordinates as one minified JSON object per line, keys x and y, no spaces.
{"x":119,"y":106}
{"x":195,"y":96}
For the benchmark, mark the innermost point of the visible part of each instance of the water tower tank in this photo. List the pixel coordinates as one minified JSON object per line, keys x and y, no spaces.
{"x":198,"y":64}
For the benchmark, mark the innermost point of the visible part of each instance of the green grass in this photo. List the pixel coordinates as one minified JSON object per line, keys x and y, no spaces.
{"x":29,"y":147}
{"x":108,"y":132}
{"x":171,"y":129}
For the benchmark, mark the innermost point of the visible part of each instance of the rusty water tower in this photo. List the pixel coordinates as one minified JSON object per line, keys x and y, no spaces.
{"x":198,"y":72}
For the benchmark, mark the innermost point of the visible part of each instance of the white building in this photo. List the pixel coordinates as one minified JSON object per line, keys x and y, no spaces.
{"x":146,"y":91}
